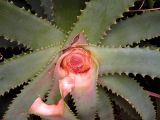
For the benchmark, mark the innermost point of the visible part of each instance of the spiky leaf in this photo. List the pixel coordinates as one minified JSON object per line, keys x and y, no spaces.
{"x":18,"y":110}
{"x":133,"y":60}
{"x":25,"y":28}
{"x":125,"y":106}
{"x":15,"y":72}
{"x":105,"y":110}
{"x":98,"y":16}
{"x":135,"y":95}
{"x":134,"y":29}
{"x":54,"y":94}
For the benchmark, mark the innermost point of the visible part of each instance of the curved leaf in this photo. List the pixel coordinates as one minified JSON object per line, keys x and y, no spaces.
{"x":25,"y":28}
{"x":54,"y":94}
{"x":98,"y":16}
{"x":141,"y":27}
{"x":125,"y":106}
{"x":133,"y":60}
{"x":105,"y":110}
{"x":130,"y":90}
{"x":18,"y":110}
{"x":22,"y":68}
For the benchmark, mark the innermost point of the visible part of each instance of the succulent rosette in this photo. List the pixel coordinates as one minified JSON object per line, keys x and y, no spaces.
{"x":81,"y":71}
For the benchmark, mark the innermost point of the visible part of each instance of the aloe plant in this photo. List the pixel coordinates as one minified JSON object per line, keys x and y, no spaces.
{"x":89,"y":60}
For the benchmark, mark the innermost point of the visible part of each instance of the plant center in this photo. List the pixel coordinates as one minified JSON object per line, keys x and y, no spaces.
{"x":77,"y":61}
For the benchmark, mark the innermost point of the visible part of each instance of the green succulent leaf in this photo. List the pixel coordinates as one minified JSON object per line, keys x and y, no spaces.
{"x":125,"y":106}
{"x":20,"y":69}
{"x":48,"y":9}
{"x":35,"y":4}
{"x":132,"y":60}
{"x":105,"y":110}
{"x":18,"y":110}
{"x":65,"y":14}
{"x":134,"y":29}
{"x":25,"y":28}
{"x":135,"y":95}
{"x":54,"y":94}
{"x":98,"y":16}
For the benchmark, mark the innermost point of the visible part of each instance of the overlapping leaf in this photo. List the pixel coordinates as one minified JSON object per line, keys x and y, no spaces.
{"x":125,"y":106}
{"x":134,"y":94}
{"x":133,"y":60}
{"x":25,"y":28}
{"x":19,"y":70}
{"x":98,"y":16}
{"x":105,"y":110}
{"x":18,"y":110}
{"x":134,"y":29}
